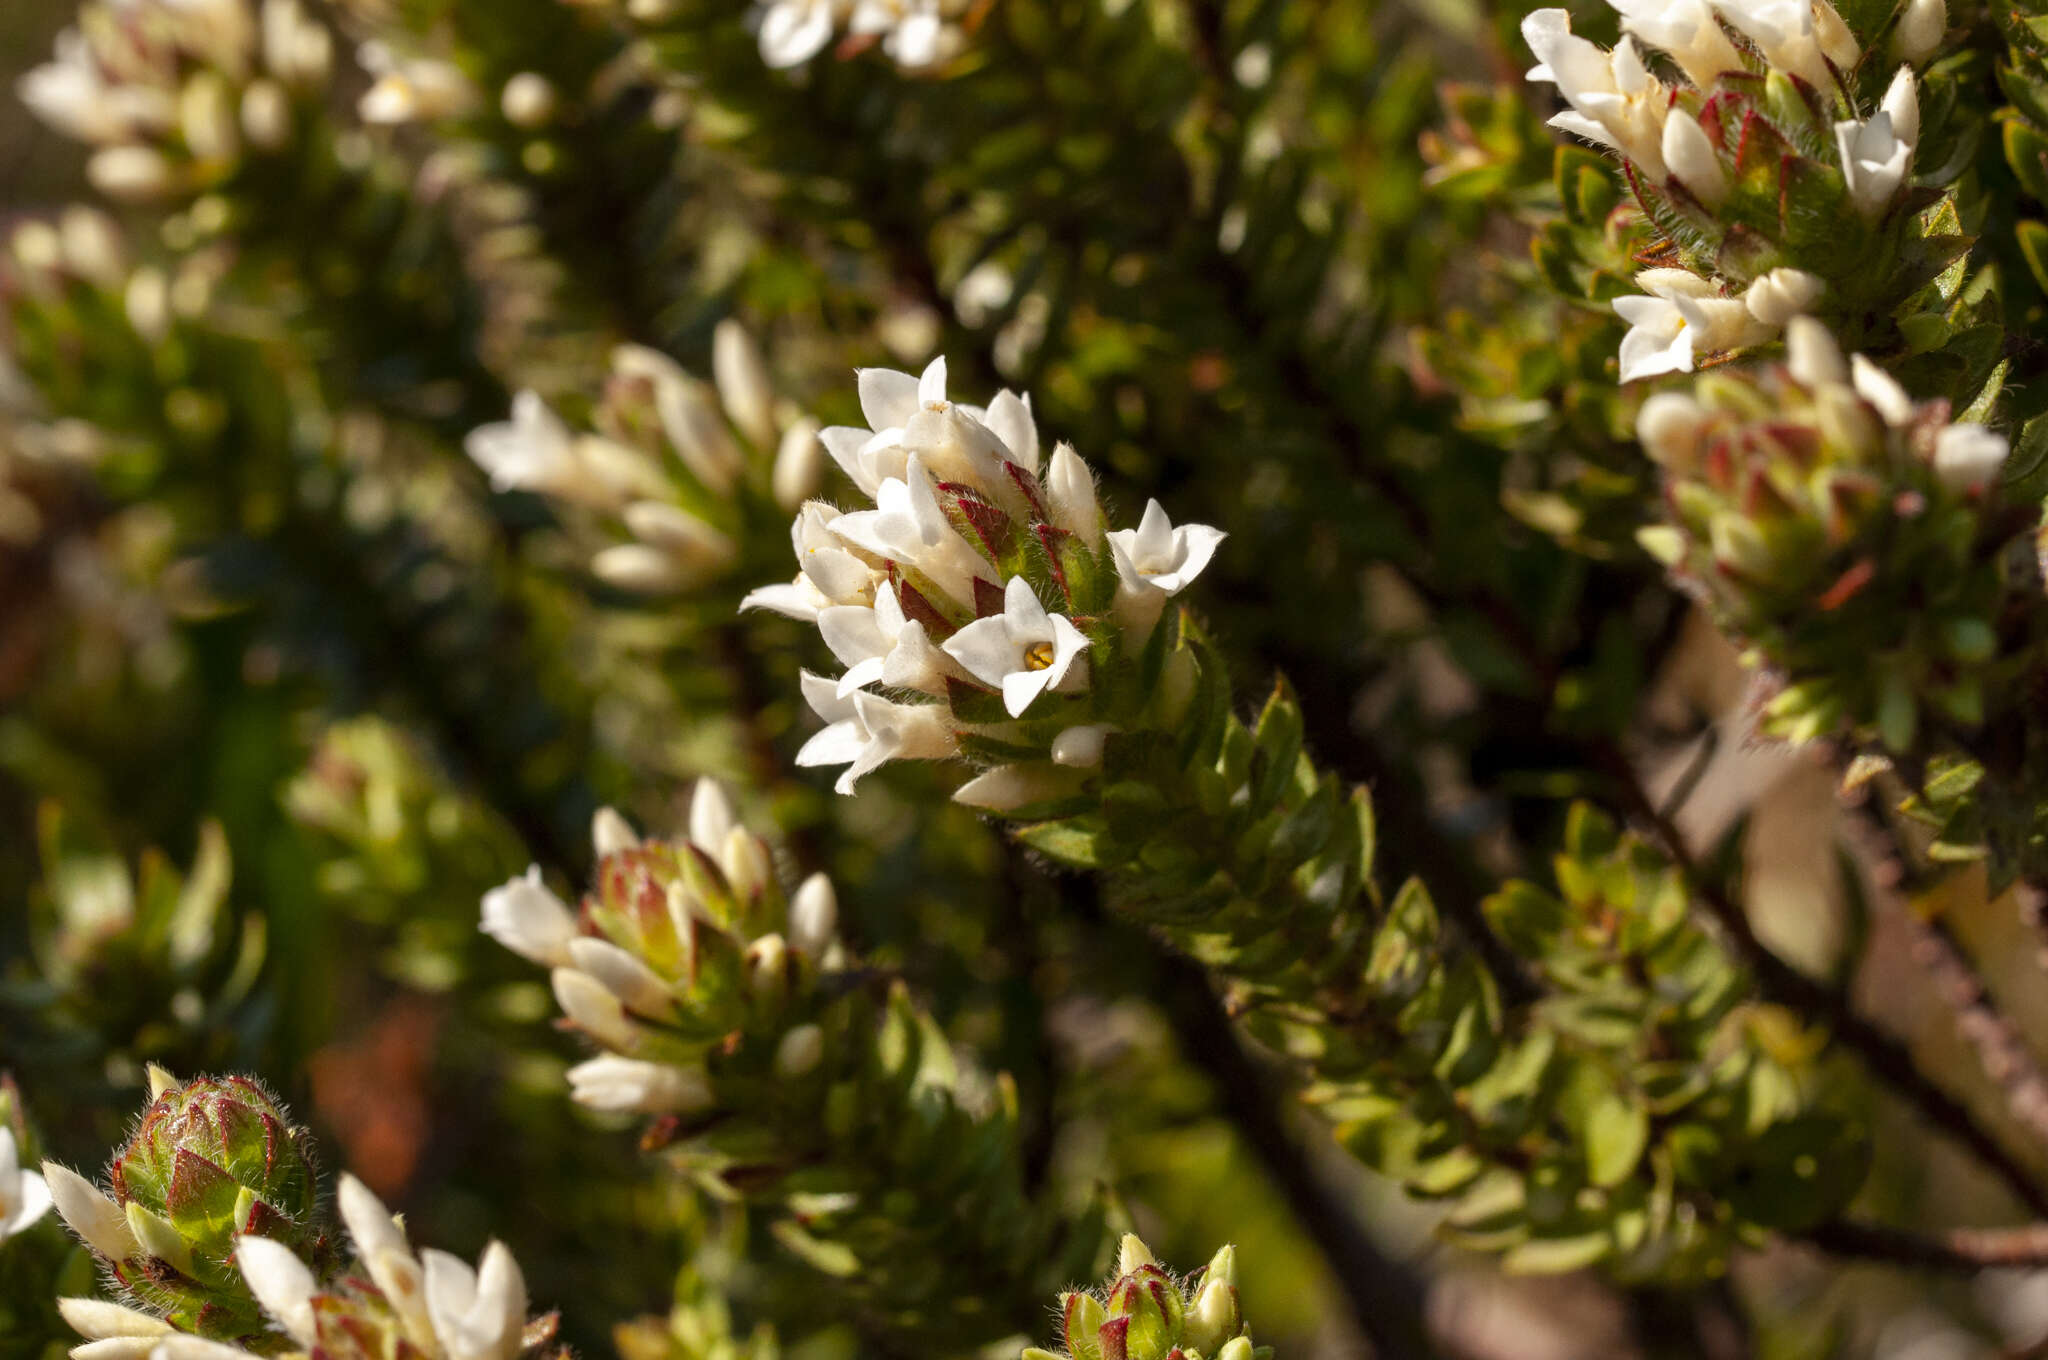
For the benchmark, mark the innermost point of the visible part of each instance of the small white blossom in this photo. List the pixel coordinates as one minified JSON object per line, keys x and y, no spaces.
{"x":381,"y":1245}
{"x":1693,"y":161}
{"x":618,"y":1085}
{"x":478,"y":1314}
{"x":1009,"y":788}
{"x":689,"y":414}
{"x":907,"y":526}
{"x":1022,"y":651}
{"x":1922,"y":26}
{"x":1783,"y":293}
{"x":611,"y":833}
{"x":1877,"y":153}
{"x":527,"y":918}
{"x":1070,"y":496}
{"x":1615,"y":101}
{"x":24,"y":1195}
{"x":830,"y":573}
{"x":1682,"y":318}
{"x":1157,"y":555}
{"x":624,"y":975}
{"x":799,"y":463}
{"x":1798,"y":37}
{"x":879,"y":644}
{"x":744,"y":388}
{"x":865,"y":732}
{"x":1882,"y":391}
{"x":1687,"y":31}
{"x":1811,"y":354}
{"x":1967,"y":457}
{"x":791,"y":32}
{"x":537,"y":451}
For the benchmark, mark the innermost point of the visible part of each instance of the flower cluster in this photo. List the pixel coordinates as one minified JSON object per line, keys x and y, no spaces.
{"x":171,"y":94}
{"x":1144,"y":1313}
{"x":682,"y":944}
{"x":989,"y":599}
{"x":666,"y":481}
{"x":431,"y":1304}
{"x":916,"y":34}
{"x":1838,"y":522}
{"x":1774,"y":184}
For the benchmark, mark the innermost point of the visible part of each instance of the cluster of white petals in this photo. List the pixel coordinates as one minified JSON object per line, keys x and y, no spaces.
{"x":171,"y":91}
{"x":944,"y":584}
{"x":699,"y":437}
{"x":915,"y":34}
{"x":442,"y":1308}
{"x":1683,"y":317}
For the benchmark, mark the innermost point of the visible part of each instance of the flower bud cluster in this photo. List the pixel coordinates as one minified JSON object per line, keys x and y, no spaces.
{"x":1144,"y":1313}
{"x":1005,"y":620}
{"x":1841,"y":527}
{"x":214,"y":1162}
{"x":393,"y":1302}
{"x":674,"y":469}
{"x":1774,"y":178}
{"x":918,"y":35}
{"x":174,"y":95}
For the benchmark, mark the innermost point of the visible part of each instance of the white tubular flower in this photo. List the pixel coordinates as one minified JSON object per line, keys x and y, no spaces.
{"x":478,"y":1314}
{"x":594,"y":1009}
{"x":880,"y":645}
{"x":799,"y":463}
{"x":96,"y":1218}
{"x":1687,"y":31}
{"x":1920,"y":31}
{"x":1070,"y":495}
{"x":1022,"y":651}
{"x":614,"y":1085}
{"x":1157,"y":555}
{"x":1615,"y":101}
{"x":527,"y":918}
{"x":1968,"y":457}
{"x":624,"y":975}
{"x":1777,"y":297}
{"x":1682,"y":318}
{"x":1690,"y":155}
{"x":689,"y":416}
{"x":282,"y":1283}
{"x":865,"y":732}
{"x":1794,"y":36}
{"x":830,"y":574}
{"x":1882,"y":391}
{"x":381,"y":1244}
{"x":793,"y":31}
{"x":533,"y":451}
{"x":907,"y":526}
{"x":24,"y":1195}
{"x":1877,"y":154}
{"x":742,"y":380}
{"x":610,"y":833}
{"x":814,"y":916}
{"x":99,"y":1320}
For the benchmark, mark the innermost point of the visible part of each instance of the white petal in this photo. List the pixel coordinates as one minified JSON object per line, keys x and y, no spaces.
{"x":986,"y":649}
{"x":98,"y":1319}
{"x":1009,"y":417}
{"x":711,"y":816}
{"x":526,"y":917}
{"x":282,"y":1283}
{"x":931,"y":384}
{"x":888,"y":399}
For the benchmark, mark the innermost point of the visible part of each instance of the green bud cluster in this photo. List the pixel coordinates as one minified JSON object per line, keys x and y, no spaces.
{"x":1841,"y":531}
{"x":1620,"y":1119}
{"x":1145,"y":1313}
{"x":212,"y":1160}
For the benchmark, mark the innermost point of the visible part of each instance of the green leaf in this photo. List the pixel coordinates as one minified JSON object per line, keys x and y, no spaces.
{"x":1083,"y":842}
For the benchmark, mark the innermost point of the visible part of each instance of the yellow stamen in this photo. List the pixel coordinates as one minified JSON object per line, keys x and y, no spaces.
{"x":1038,"y":656}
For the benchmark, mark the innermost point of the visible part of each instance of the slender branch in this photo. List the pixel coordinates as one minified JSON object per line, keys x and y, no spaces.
{"x":1963,"y":1251}
{"x":1884,"y":1054}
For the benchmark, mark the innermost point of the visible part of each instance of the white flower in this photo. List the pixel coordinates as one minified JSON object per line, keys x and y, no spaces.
{"x":72,"y":96}
{"x":1688,"y":31}
{"x":915,"y":33}
{"x":1878,"y":152}
{"x":176,"y":1346}
{"x":610,"y":833}
{"x":1682,"y":318}
{"x":1008,"y":788}
{"x":1967,"y":457}
{"x":380,"y":1242}
{"x":794,"y":31}
{"x":1070,"y":496}
{"x":908,"y":527}
{"x":421,"y":90}
{"x":1882,"y":391}
{"x":24,"y":1195}
{"x":1783,"y":293}
{"x":533,"y":451}
{"x":478,"y":1314}
{"x":618,"y":1085}
{"x":93,"y":1215}
{"x":1811,"y":354}
{"x":957,"y":442}
{"x":880,"y":644}
{"x":1158,"y":555}
{"x":830,"y":574}
{"x":1922,"y":26}
{"x":1798,"y":37}
{"x":282,"y":1283}
{"x":865,"y":732}
{"x":689,"y":415}
{"x":1614,"y":99}
{"x":1692,"y":160}
{"x":527,"y":918}
{"x":1022,"y":651}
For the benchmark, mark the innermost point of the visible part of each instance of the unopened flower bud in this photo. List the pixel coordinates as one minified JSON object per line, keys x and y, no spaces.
{"x":1237,"y":1348}
{"x":624,"y":975}
{"x":813,"y":916}
{"x":610,"y":833}
{"x":711,"y":816}
{"x":1215,"y":1318}
{"x":744,"y":861}
{"x":1668,"y":427}
{"x":91,"y":246}
{"x":1782,"y":294}
{"x":1070,"y":495}
{"x":1008,"y":788}
{"x":1921,"y":27}
{"x":639,"y":568}
{"x":100,"y":1320}
{"x":767,"y":969}
{"x":1080,"y":747}
{"x":130,"y":174}
{"x":528,"y":101}
{"x":743,"y":384}
{"x":618,"y":1085}
{"x":799,"y":464}
{"x":592,"y":1007}
{"x":91,"y":1213}
{"x":158,"y":1237}
{"x":206,"y":117}
{"x":1882,"y":391}
{"x":148,"y":304}
{"x":282,"y":1284}
{"x":1902,"y":101}
{"x":1967,"y":457}
{"x":1692,"y":160}
{"x":678,"y":533}
{"x":266,"y":115}
{"x":800,"y":1052}
{"x":1812,"y":355}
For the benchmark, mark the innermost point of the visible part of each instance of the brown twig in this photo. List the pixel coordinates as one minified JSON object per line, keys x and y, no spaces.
{"x":1962,"y":1251}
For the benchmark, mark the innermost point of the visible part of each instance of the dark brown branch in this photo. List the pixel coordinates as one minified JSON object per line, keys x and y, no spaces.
{"x":1963,"y":1251}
